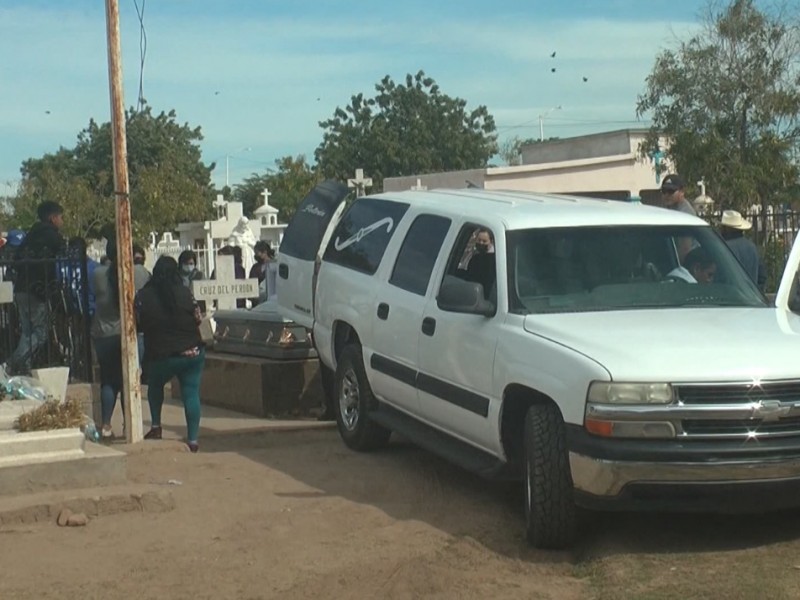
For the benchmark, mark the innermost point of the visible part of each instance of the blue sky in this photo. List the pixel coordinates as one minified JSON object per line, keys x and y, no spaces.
{"x":259,"y":75}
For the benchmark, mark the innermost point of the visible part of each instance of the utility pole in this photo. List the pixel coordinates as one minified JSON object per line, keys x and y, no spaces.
{"x":132,"y":394}
{"x":541,"y":121}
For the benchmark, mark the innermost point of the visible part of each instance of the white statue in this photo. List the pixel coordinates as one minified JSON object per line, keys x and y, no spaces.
{"x":243,"y":237}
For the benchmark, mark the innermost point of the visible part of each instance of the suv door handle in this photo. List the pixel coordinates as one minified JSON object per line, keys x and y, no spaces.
{"x":383,"y":311}
{"x":428,"y":325}
{"x":283,"y":271}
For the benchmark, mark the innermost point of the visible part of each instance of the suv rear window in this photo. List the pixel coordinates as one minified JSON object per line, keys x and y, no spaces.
{"x":363,"y":233}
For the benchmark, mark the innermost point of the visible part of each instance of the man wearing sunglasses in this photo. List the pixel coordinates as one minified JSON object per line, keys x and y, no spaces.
{"x":672,"y":195}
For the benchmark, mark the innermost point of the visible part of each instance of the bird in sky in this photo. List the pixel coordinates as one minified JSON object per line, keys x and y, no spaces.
{"x":585,"y":79}
{"x":553,"y":55}
{"x":216,"y":93}
{"x":47,"y":112}
{"x":553,"y":70}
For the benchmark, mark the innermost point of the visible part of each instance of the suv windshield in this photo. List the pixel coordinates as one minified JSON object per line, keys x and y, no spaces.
{"x":624,"y":267}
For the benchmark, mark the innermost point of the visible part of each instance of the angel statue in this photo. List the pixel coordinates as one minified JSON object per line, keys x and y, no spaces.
{"x":243,"y":237}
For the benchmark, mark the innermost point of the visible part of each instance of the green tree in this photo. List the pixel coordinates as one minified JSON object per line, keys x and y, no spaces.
{"x":288,"y":184}
{"x":168,"y":181}
{"x":728,"y":101}
{"x":405,"y":129}
{"x":509,"y":151}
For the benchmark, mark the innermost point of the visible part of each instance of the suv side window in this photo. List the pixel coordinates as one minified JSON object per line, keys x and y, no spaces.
{"x":474,"y":259}
{"x":362,"y":235}
{"x":418,"y":254}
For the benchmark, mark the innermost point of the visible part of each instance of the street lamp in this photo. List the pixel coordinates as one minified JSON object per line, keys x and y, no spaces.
{"x":227,"y":164}
{"x":541,"y":121}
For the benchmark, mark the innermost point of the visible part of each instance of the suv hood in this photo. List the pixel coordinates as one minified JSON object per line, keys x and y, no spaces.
{"x":681,"y":345}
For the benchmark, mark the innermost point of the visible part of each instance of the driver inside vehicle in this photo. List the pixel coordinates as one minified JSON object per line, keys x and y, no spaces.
{"x":700,"y":264}
{"x":697,"y":267}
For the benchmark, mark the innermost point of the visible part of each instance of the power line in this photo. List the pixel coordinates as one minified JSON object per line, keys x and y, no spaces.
{"x":573,"y":123}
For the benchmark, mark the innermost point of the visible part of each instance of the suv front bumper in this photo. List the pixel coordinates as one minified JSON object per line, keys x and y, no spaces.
{"x":724,"y":477}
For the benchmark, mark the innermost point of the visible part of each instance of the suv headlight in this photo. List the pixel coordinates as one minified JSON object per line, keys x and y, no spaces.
{"x":607,"y":392}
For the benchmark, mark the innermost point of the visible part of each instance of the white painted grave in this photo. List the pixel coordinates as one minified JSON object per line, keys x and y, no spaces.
{"x":225,"y":289}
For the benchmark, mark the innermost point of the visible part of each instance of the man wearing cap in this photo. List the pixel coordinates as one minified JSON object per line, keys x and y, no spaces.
{"x":732,"y":231}
{"x":672,"y":194}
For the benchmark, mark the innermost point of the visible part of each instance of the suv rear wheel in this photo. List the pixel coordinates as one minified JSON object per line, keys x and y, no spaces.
{"x":549,"y":506}
{"x":354,"y":400}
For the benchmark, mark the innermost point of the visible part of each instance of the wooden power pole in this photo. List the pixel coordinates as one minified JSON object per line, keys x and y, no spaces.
{"x":132,"y":395}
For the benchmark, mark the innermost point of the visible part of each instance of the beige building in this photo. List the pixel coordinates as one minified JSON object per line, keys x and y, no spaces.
{"x":602,"y":164}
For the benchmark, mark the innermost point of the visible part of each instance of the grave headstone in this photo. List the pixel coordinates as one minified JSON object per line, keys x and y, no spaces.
{"x":225,"y":289}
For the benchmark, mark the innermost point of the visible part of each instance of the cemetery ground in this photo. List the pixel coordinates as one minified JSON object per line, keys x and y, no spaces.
{"x":265,"y":512}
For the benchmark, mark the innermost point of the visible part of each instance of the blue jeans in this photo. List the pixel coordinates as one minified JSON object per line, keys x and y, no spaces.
{"x":33,"y":330}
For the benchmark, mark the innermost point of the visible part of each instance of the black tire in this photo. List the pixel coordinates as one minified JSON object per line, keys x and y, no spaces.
{"x":353,"y":402}
{"x":550,"y":514}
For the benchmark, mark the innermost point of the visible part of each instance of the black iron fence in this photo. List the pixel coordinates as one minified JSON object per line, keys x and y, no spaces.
{"x":48,"y":322}
{"x":774,"y":231}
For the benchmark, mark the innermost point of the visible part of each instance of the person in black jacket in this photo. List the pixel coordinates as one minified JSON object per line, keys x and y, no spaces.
{"x":33,"y":277}
{"x":168,"y":316}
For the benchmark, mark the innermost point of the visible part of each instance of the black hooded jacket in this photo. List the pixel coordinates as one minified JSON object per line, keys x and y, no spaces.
{"x":33,"y":273}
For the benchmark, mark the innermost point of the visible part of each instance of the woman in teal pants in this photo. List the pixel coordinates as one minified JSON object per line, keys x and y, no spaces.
{"x":168,"y":317}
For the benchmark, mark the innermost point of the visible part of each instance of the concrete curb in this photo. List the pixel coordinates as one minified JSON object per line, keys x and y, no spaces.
{"x":38,"y":508}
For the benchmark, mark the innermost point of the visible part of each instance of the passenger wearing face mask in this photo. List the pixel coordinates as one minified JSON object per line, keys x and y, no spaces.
{"x":481,"y":268}
{"x":187,"y":263}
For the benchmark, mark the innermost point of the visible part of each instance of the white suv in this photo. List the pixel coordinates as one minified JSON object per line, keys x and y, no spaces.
{"x":609,"y":354}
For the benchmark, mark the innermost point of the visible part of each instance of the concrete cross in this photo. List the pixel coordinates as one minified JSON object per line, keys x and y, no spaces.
{"x":359,"y":183}
{"x":225,"y":289}
{"x":266,"y":195}
{"x":419,"y":187}
{"x":220,"y":204}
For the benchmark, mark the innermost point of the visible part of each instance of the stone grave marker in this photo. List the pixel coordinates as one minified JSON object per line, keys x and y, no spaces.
{"x":225,"y":289}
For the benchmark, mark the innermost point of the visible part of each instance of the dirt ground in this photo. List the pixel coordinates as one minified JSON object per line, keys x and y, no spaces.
{"x":297,"y":515}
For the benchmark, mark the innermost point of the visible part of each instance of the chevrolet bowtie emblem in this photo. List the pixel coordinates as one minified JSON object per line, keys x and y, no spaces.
{"x":770,"y":410}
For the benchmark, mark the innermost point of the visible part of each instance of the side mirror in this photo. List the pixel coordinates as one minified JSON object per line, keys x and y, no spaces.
{"x":459,"y":296}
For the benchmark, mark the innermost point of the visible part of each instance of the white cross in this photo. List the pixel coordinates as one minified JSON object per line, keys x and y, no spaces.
{"x":419,"y":187}
{"x":225,"y":288}
{"x":359,"y":182}
{"x":266,"y":195}
{"x":220,"y":205}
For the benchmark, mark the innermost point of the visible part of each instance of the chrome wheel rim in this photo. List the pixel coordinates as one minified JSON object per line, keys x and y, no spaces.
{"x":348,"y":400}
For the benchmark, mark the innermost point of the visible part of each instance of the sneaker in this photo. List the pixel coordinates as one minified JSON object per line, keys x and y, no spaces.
{"x":107,"y":433}
{"x":193,"y":446}
{"x":153,"y":434}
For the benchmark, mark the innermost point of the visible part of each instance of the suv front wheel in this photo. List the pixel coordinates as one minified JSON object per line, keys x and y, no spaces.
{"x":353,"y":401}
{"x":549,"y":506}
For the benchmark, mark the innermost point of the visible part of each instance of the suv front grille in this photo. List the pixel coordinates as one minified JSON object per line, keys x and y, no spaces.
{"x":739,"y":393}
{"x":774,"y":409}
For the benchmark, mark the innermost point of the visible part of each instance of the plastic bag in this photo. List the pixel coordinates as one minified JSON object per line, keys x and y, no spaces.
{"x":25,"y":388}
{"x":90,"y":431}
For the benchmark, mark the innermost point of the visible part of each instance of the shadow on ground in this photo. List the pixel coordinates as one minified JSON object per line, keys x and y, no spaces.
{"x":407,"y":482}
